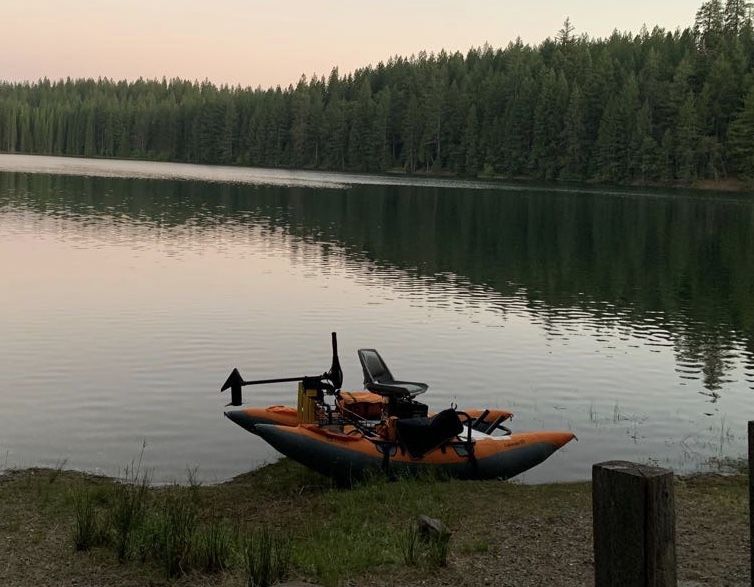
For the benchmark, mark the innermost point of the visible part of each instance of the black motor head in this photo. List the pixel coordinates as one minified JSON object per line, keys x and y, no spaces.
{"x":335,"y":374}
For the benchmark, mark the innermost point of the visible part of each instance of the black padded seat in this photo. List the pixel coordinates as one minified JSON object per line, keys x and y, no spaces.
{"x":378,"y":378}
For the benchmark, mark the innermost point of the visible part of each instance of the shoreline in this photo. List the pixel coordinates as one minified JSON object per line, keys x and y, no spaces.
{"x":728,"y":186}
{"x":501,"y":530}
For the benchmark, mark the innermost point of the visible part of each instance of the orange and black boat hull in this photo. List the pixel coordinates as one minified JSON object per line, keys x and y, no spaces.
{"x":348,"y":458}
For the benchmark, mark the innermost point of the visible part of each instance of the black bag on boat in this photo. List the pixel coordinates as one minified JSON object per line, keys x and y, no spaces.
{"x":421,"y":435}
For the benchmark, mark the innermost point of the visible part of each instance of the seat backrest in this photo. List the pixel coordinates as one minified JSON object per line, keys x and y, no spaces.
{"x":375,"y":369}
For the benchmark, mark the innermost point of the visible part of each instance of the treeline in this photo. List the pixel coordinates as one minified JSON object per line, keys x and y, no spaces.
{"x":654,"y":107}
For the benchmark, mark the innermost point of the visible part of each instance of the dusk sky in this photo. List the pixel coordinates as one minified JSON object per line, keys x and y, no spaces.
{"x":262,"y":42}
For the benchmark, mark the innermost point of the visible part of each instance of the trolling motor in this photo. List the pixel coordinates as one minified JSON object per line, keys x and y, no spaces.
{"x":313,"y":387}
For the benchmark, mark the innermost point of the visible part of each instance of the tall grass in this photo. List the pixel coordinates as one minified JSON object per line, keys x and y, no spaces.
{"x":129,"y":508}
{"x":165,"y":529}
{"x":86,"y":530}
{"x":437,"y":550}
{"x":176,"y":520}
{"x":410,"y":545}
{"x":431,"y":550}
{"x":170,"y":528}
{"x":170,"y":534}
{"x":214,"y":547}
{"x":267,"y":557}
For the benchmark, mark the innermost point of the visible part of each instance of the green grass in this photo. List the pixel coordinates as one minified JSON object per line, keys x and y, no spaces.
{"x":86,"y":529}
{"x":479,"y":546}
{"x":330,"y":535}
{"x":410,"y":545}
{"x":365,"y":527}
{"x":173,"y":525}
{"x":127,"y":511}
{"x":214,"y":547}
{"x":267,"y":558}
{"x":163,"y":527}
{"x":284,"y":520}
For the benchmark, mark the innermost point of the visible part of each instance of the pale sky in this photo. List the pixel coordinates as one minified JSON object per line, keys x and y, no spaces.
{"x":261,"y":42}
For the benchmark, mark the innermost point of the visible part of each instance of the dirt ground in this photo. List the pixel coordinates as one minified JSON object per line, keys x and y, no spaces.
{"x":503,"y":533}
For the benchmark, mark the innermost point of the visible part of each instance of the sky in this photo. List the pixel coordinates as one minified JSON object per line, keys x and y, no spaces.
{"x":266,"y":43}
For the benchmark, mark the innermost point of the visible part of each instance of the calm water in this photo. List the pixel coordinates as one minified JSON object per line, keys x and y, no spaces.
{"x":129,"y":290}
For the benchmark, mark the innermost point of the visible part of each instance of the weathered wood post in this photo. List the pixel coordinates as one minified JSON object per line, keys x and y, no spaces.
{"x":634,"y":525}
{"x":751,"y":500}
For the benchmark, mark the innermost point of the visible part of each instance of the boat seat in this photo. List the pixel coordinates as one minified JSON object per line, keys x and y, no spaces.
{"x":378,"y":378}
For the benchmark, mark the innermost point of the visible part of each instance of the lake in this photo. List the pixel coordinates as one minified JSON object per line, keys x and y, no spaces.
{"x":130,"y":290}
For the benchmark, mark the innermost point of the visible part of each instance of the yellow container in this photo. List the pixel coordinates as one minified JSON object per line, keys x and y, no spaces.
{"x":307,"y":404}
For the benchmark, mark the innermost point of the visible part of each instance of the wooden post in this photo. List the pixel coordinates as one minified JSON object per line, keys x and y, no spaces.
{"x":634,"y":525}
{"x":751,"y":500}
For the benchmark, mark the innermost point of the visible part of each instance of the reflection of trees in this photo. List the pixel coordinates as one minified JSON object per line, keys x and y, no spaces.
{"x":683,"y":265}
{"x":706,"y":352}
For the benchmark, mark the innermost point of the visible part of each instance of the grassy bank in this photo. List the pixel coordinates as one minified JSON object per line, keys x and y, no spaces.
{"x":503,"y":533}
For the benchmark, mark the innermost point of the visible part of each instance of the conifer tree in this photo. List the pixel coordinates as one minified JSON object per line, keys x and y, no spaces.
{"x":735,"y":16}
{"x":687,"y":137}
{"x":709,"y":25}
{"x":471,"y":166}
{"x":574,"y":137}
{"x":741,"y":142}
{"x":565,"y":34}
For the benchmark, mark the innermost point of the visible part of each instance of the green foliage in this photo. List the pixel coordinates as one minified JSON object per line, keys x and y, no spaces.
{"x":568,"y":108}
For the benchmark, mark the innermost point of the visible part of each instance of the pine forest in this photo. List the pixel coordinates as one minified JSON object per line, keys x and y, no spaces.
{"x":653,"y":107}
